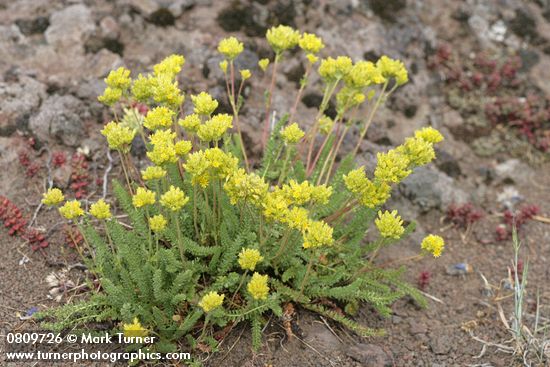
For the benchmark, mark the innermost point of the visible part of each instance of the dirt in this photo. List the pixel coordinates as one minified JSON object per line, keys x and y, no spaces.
{"x":463,"y":322}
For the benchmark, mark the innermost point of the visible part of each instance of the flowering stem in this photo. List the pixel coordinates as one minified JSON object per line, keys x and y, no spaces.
{"x":195,"y":214}
{"x":234,"y":105}
{"x":180,"y":239}
{"x":206,"y":321}
{"x":243,"y":277}
{"x":265,"y":133}
{"x":125,"y":172}
{"x":300,"y":91}
{"x":369,"y":120}
{"x":332,"y":156}
{"x":306,"y":276}
{"x":286,"y":236}
{"x":282,"y":176}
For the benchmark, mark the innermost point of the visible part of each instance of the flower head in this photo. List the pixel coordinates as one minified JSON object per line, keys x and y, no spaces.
{"x":311,"y":43}
{"x":389,"y":224}
{"x":153,"y":173}
{"x":158,"y":117}
{"x":204,"y":104}
{"x":245,"y":187}
{"x":248,"y":258}
{"x":52,"y":197}
{"x":325,"y":124}
{"x":335,"y":69}
{"x":143,"y":197}
{"x":363,"y":74}
{"x":275,"y":207}
{"x":370,"y":194}
{"x":135,"y":329}
{"x":282,"y":38}
{"x":230,"y":47}
{"x":71,"y":210}
{"x":183,"y":147}
{"x":417,"y":150}
{"x":390,"y":68}
{"x":392,"y":166}
{"x":142,"y":88}
{"x":245,"y":74}
{"x":119,"y":79}
{"x":312,"y":58}
{"x":223,"y":66}
{"x":297,"y":218}
{"x":190,"y":123}
{"x":211,"y":301}
{"x":318,"y":233}
{"x":429,"y":134}
{"x":100,"y":209}
{"x":170,"y":66}
{"x":213,"y":129}
{"x":292,"y":133}
{"x":165,"y":91}
{"x":118,"y":137}
{"x":434,"y":244}
{"x":174,"y":199}
{"x":258,"y":287}
{"x":263,"y":64}
{"x":110,"y":96}
{"x":157,"y":223}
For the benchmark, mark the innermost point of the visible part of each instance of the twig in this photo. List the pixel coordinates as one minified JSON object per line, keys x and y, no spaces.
{"x":106,"y":174}
{"x":332,"y":331}
{"x":431,"y":297}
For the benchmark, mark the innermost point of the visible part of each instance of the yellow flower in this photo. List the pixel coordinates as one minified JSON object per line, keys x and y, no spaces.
{"x":143,"y":197}
{"x":297,"y":218}
{"x":204,"y":104}
{"x":245,"y":74}
{"x":303,"y":193}
{"x":332,"y":70}
{"x":434,"y":244}
{"x":134,"y":329}
{"x":118,"y":137}
{"x":230,"y":47}
{"x":170,"y":66}
{"x":142,"y":88}
{"x":190,"y":123}
{"x":119,"y":79}
{"x":356,"y":180}
{"x":52,"y":197}
{"x":164,"y":150}
{"x":292,"y":133}
{"x":311,"y":43}
{"x":213,"y":129}
{"x":275,"y":207}
{"x":211,"y":301}
{"x":182,"y":147}
{"x":248,"y":258}
{"x":417,"y":150}
{"x":390,"y":68}
{"x":174,"y":199}
{"x":223,"y":66}
{"x":165,"y":91}
{"x":71,"y":210}
{"x":258,"y":287}
{"x":110,"y":96}
{"x":392,"y":166}
{"x":197,"y":165}
{"x":325,"y":124}
{"x":153,"y":173}
{"x":312,"y":58}
{"x":389,"y":224}
{"x":318,"y":233}
{"x":243,"y":187}
{"x":282,"y":38}
{"x":158,"y":117}
{"x":100,"y":209}
{"x":369,"y":193}
{"x":347,"y":98}
{"x":363,"y":74}
{"x":157,"y":223}
{"x":429,"y":134}
{"x":263,"y":63}
{"x":222,"y":164}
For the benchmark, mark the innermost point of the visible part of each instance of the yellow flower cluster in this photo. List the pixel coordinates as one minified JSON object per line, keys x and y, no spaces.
{"x":363,"y":74}
{"x":143,"y":197}
{"x":153,"y":173}
{"x":157,"y":223}
{"x":245,"y":74}
{"x":332,"y":70}
{"x":230,"y":47}
{"x":434,"y":244}
{"x":429,"y":134}
{"x":213,"y":162}
{"x":118,"y":137}
{"x":249,"y":258}
{"x":164,"y":150}
{"x":135,"y":329}
{"x":304,"y":193}
{"x":263,"y":64}
{"x":311,"y":43}
{"x":282,"y":38}
{"x":101,"y":210}
{"x":347,"y":98}
{"x":245,"y":187}
{"x":292,"y":133}
{"x":390,"y":68}
{"x":52,"y":197}
{"x":158,"y":118}
{"x":317,"y":234}
{"x":392,"y":166}
{"x":325,"y":124}
{"x":174,"y":199}
{"x":118,"y":81}
{"x":370,"y":194}
{"x":275,"y":207}
{"x":190,"y":123}
{"x":204,"y":104}
{"x":71,"y":209}
{"x":170,"y":66}
{"x":297,"y":218}
{"x":417,"y":150}
{"x":258,"y":287}
{"x":389,"y":224}
{"x":213,"y":129}
{"x":183,"y":147}
{"x":211,"y":301}
{"x":223,"y":66}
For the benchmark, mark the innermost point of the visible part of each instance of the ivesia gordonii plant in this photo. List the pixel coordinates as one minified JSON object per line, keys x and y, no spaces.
{"x":214,"y":239}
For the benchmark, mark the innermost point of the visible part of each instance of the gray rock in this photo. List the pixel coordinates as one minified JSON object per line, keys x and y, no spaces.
{"x":70,"y":27}
{"x":17,"y":101}
{"x":109,"y":28}
{"x":60,"y":117}
{"x":513,"y":171}
{"x":369,"y":355}
{"x":447,"y":163}
{"x":417,"y":327}
{"x":440,"y":343}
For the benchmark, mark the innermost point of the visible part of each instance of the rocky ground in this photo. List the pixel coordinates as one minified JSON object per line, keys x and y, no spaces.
{"x":54,"y":54}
